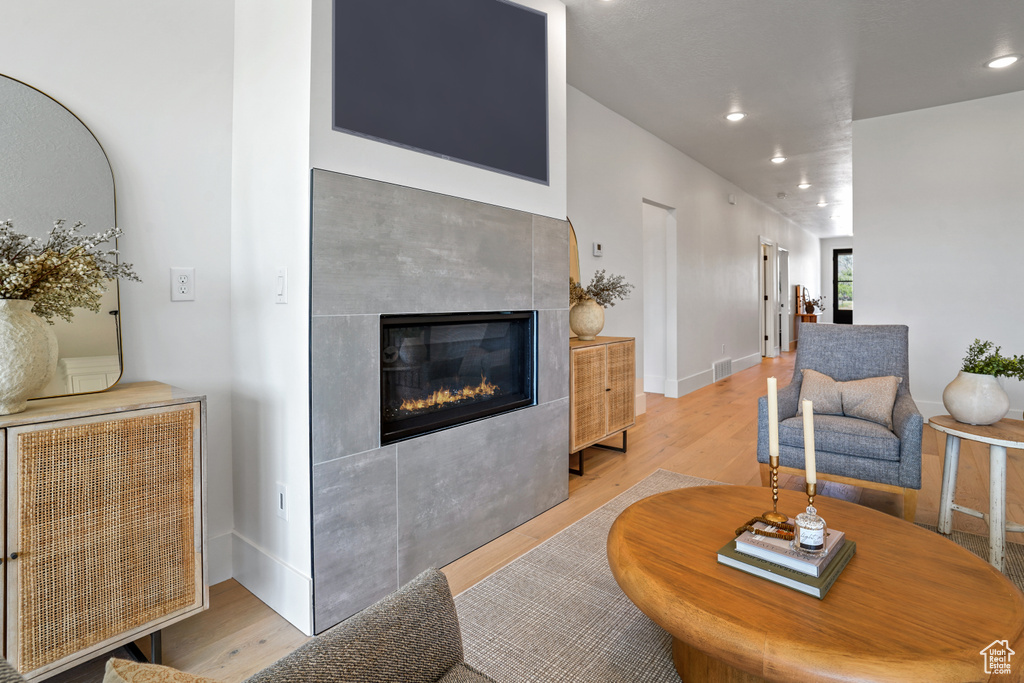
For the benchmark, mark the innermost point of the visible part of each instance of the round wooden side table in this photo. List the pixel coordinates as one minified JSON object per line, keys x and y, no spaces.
{"x":1004,"y":434}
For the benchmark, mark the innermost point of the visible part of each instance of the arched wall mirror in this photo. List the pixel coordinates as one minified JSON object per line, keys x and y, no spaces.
{"x":54,"y":167}
{"x":574,"y":253}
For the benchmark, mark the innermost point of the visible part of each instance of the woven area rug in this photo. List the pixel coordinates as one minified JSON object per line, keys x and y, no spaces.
{"x":556,"y":614}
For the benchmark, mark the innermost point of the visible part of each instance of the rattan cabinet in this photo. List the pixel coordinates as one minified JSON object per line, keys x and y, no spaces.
{"x":602,"y":387}
{"x":103,"y":520}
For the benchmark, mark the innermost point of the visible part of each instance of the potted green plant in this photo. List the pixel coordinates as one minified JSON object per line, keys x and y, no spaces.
{"x":586,"y":315}
{"x":975,"y":396}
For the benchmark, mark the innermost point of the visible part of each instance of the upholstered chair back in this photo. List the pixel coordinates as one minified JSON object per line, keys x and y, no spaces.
{"x":848,"y":352}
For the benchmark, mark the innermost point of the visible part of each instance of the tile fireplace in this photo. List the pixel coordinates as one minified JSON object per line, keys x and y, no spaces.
{"x":388,"y":500}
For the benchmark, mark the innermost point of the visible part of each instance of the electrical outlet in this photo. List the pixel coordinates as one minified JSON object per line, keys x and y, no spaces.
{"x":183,"y":284}
{"x":282,"y":501}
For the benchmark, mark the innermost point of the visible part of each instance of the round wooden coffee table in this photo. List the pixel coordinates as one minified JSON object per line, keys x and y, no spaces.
{"x":910,"y":606}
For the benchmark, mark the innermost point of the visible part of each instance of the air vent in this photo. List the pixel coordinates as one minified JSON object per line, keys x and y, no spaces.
{"x":721,"y":368}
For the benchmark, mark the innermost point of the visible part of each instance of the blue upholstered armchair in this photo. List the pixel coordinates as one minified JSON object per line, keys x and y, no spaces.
{"x":851,"y":450}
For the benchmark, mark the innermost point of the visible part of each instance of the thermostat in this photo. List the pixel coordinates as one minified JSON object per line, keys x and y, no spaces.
{"x":598,"y":249}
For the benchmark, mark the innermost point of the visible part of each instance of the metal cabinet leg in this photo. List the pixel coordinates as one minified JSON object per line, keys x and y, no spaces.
{"x":156,"y":654}
{"x":949,"y":468}
{"x":579,"y":470}
{"x":614,"y":448}
{"x":156,"y":647}
{"x":996,"y":505}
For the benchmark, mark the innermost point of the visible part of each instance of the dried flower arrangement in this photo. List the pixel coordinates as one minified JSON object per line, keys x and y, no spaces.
{"x":815,"y":304}
{"x":62,"y":272}
{"x":604,"y":289}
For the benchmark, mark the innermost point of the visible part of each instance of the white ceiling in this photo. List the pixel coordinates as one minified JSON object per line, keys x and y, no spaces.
{"x":803,"y":70}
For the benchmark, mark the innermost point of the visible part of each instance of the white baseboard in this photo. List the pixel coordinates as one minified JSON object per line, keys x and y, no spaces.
{"x":746,"y":362}
{"x":218,"y":558}
{"x":655,"y":385}
{"x":931,"y":408}
{"x":282,"y":587}
{"x":681,"y":387}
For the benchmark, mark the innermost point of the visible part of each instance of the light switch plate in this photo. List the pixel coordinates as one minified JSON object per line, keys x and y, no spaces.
{"x":281,"y":286}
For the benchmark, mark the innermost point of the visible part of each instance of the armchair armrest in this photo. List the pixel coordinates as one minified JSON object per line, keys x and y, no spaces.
{"x":411,"y":635}
{"x":908,"y":425}
{"x":789,"y":400}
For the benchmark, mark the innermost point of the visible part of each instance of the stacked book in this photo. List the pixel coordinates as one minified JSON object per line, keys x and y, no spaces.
{"x":774,"y":559}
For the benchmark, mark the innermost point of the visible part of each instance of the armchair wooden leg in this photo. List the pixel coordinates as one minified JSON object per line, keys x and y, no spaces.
{"x":766,"y":474}
{"x":909,"y":504}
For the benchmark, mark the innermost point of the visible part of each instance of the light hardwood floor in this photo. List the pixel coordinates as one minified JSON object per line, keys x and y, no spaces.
{"x":710,"y":433}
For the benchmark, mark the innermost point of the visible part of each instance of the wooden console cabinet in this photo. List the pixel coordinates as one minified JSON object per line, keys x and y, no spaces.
{"x":103,"y":515}
{"x":602,"y":391}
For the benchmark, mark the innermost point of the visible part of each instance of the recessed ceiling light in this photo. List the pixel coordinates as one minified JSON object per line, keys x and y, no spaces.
{"x":1002,"y":62}
{"x":822,"y":203}
{"x":804,"y":186}
{"x":735,"y":116}
{"x":778,"y":160}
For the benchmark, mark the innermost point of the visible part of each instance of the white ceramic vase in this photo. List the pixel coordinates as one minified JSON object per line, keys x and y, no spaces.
{"x":28,"y":354}
{"x":975,"y":399}
{"x":586,"y":319}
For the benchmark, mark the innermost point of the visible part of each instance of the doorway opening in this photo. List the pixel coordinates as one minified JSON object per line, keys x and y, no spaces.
{"x":785,"y":302}
{"x":769,"y":297}
{"x":660,"y":359}
{"x":842,"y":286}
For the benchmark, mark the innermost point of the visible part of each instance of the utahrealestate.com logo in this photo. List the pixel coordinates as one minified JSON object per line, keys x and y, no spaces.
{"x":997,"y":657}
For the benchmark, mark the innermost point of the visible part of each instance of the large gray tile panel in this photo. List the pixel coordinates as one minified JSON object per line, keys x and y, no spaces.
{"x":464,"y":487}
{"x":552,"y":355}
{"x":550,"y":263}
{"x":345,"y":385}
{"x":354,"y":534}
{"x":383,"y":248}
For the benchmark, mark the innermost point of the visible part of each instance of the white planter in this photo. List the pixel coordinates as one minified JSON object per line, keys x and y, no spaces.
{"x":975,"y":399}
{"x":586,"y":319}
{"x":28,"y":354}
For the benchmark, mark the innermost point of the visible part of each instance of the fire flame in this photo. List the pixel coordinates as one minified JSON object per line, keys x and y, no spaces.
{"x":442,"y":396}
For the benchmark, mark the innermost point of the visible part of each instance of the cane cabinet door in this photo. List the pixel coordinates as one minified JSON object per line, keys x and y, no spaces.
{"x":104,"y":532}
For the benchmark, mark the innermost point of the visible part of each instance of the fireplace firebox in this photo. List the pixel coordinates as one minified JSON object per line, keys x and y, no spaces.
{"x":441,"y":370}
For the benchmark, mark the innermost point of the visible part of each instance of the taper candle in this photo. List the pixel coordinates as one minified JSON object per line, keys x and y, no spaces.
{"x":812,"y":474}
{"x":773,"y":418}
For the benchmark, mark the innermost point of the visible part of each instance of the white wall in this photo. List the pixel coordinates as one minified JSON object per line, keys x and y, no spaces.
{"x":344,"y":153}
{"x":827,"y":277}
{"x":938,"y":208}
{"x":270,"y":230}
{"x":614,"y":166}
{"x":153,"y":82}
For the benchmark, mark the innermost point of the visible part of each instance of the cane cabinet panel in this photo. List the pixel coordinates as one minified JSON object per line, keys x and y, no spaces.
{"x":602,"y":389}
{"x":104,"y":523}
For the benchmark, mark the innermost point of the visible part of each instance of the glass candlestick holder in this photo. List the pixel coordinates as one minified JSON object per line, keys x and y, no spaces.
{"x":810,"y":529}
